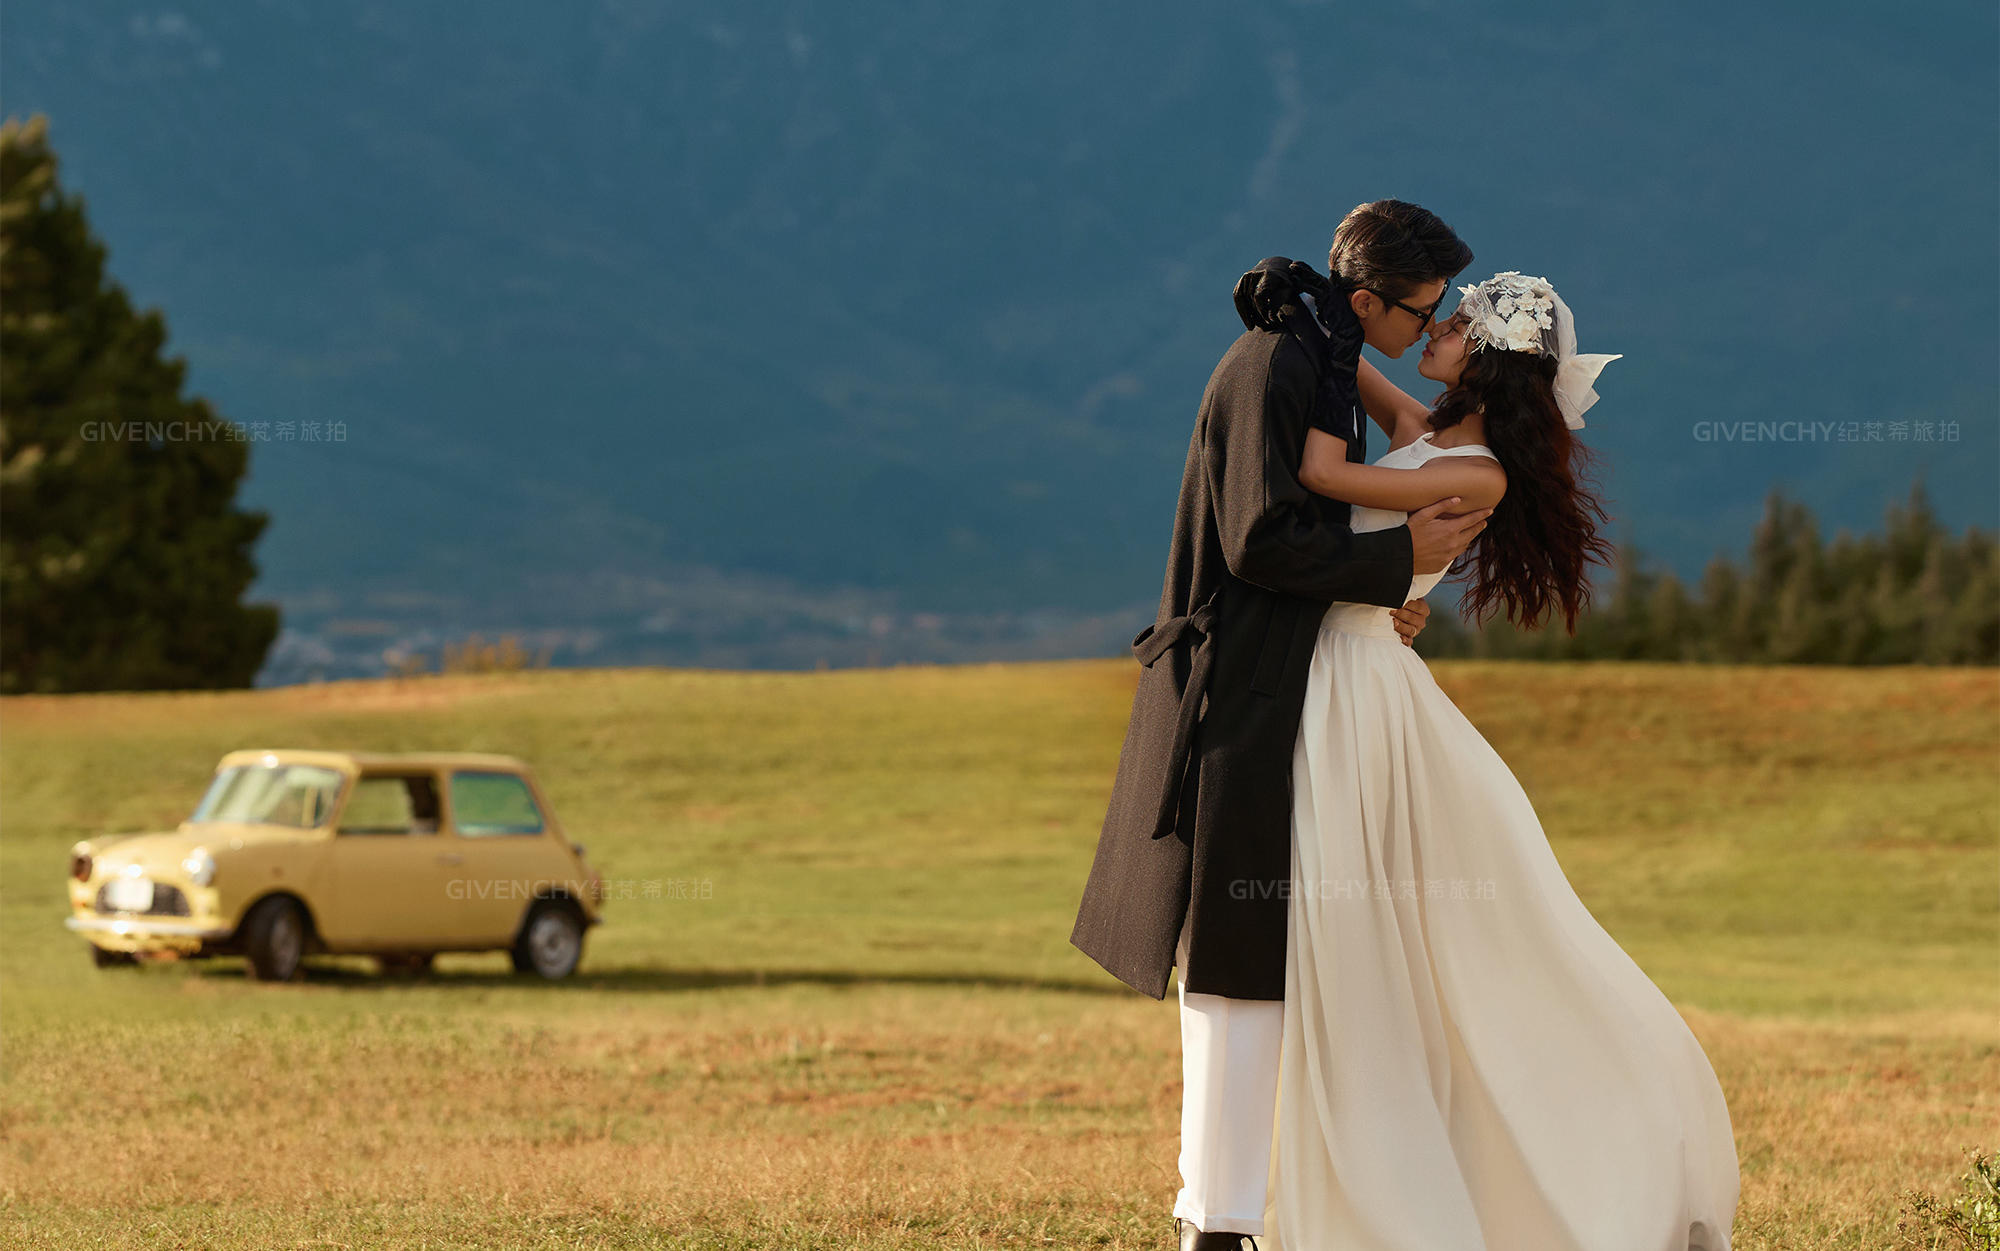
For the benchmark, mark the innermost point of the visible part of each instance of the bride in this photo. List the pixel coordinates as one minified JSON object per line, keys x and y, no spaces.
{"x":1469,"y":1061}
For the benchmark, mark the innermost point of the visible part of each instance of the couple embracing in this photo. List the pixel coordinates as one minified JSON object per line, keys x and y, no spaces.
{"x":1401,"y":1030}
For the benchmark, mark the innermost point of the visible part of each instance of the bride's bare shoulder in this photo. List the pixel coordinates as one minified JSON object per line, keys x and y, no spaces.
{"x":1409,"y":428}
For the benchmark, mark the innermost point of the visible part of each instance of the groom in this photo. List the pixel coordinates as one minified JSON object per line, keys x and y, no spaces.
{"x":1193,"y":864}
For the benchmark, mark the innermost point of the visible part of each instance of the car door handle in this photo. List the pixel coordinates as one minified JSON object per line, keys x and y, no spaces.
{"x":451,"y":857}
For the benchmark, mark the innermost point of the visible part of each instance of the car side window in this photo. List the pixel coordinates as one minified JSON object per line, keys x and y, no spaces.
{"x":493,"y":803}
{"x":392,"y":805}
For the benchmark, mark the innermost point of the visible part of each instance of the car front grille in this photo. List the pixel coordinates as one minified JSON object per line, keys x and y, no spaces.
{"x":168,"y":901}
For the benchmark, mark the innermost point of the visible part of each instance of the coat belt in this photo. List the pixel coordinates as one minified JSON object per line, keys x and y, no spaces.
{"x":1150,"y":645}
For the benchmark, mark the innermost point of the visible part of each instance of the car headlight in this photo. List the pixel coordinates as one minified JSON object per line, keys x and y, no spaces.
{"x":199,"y":866}
{"x":79,"y":863}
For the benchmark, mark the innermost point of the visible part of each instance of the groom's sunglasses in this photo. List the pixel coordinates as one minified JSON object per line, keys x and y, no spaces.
{"x":1423,"y":317}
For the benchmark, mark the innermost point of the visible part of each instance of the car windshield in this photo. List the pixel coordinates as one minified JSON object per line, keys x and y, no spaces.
{"x":281,"y":794}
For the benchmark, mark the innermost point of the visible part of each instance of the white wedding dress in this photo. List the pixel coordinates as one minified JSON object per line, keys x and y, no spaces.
{"x":1470,"y":1062}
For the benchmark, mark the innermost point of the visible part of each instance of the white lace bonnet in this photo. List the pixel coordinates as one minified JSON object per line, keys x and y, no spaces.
{"x":1513,"y":312}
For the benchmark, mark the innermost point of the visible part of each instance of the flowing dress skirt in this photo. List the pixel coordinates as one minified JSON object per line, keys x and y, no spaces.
{"x":1470,"y":1062}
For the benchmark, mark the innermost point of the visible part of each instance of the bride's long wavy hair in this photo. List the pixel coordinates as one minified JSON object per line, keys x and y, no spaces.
{"x":1531,"y":557}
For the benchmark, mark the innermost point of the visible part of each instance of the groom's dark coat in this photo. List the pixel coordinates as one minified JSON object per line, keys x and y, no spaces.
{"x":1193,"y":864}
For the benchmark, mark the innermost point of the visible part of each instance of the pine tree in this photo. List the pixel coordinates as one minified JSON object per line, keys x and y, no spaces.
{"x":123,"y":560}
{"x":1670,"y":623}
{"x":1722,"y":596}
{"x":1852,"y":566}
{"x":1799,"y":628}
{"x":1973,"y":624}
{"x":1624,"y":634}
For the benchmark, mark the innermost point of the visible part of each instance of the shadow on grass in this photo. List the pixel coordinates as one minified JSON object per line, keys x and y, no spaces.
{"x":359,"y":976}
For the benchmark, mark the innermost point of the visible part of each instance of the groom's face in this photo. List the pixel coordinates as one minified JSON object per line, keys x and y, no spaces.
{"x":1391,"y":326}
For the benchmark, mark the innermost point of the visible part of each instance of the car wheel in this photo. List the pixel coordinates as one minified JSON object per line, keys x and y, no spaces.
{"x":551,"y":942}
{"x":274,"y":937}
{"x":111,"y":959}
{"x":405,"y":963}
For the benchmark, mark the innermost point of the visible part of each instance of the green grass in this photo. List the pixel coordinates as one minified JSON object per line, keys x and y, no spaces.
{"x":872,"y":1030}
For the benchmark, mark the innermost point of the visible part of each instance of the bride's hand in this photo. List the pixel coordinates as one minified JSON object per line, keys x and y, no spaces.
{"x":1411,"y":618}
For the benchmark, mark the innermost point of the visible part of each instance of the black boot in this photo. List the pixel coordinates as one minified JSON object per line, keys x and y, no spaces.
{"x":1193,"y":1239}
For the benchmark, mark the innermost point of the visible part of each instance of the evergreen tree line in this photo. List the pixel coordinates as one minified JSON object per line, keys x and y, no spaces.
{"x":1913,"y":594}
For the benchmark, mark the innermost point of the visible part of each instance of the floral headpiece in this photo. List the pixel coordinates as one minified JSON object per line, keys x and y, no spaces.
{"x":1515,"y":312}
{"x":1512,"y":312}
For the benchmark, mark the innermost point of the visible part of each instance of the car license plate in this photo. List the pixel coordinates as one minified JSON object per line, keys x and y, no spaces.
{"x":129,"y":894}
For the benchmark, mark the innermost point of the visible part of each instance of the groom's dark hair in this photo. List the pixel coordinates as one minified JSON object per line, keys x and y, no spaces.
{"x":1394,"y":247}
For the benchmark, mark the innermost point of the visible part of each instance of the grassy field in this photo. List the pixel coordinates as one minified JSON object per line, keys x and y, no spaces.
{"x":869,"y":1030}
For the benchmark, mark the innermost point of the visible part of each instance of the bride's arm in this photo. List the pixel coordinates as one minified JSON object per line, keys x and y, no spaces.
{"x":1324,"y":470}
{"x":1386,"y":402}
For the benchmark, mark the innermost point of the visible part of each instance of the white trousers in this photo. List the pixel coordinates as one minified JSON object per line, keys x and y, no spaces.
{"x":1229,"y":1101}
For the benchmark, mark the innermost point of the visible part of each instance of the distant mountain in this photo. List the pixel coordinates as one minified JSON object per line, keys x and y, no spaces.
{"x":733,"y":316}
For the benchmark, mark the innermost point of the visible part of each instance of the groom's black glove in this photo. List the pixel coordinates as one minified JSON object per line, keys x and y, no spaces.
{"x":1269,"y":293}
{"x":1267,"y":298}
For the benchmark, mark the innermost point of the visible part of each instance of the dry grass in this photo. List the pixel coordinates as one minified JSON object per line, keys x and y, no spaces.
{"x":876,"y":1035}
{"x":884,"y":1117}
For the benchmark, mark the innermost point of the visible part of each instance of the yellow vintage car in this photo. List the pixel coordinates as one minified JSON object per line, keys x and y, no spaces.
{"x":293,"y":853}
